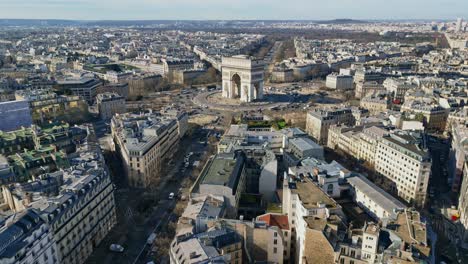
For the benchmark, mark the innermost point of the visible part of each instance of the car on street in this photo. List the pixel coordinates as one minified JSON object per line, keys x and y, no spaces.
{"x":171,"y":196}
{"x":116,"y":248}
{"x":151,"y":239}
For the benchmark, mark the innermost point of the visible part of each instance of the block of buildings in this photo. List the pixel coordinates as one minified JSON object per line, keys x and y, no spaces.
{"x":458,"y":155}
{"x":220,"y":245}
{"x":302,"y":201}
{"x":403,"y":158}
{"x":47,"y":106}
{"x":145,"y":141}
{"x":282,"y":74}
{"x":375,"y":201}
{"x":110,"y":104}
{"x":463,"y":206}
{"x":27,"y":237}
{"x":434,"y":117}
{"x":364,"y":89}
{"x":319,"y":121}
{"x":397,"y":88}
{"x":84,"y":87}
{"x":14,"y":115}
{"x":120,"y":88}
{"x":223,"y":175}
{"x":375,"y":103}
{"x":339,"y":82}
{"x":301,"y":148}
{"x":77,"y":203}
{"x":327,"y":176}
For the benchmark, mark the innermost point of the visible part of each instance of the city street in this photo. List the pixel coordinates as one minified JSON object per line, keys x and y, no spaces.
{"x":134,"y":227}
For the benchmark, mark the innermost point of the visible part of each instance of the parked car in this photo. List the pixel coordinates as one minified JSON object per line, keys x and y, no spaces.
{"x":171,"y":196}
{"x":151,"y":239}
{"x":116,"y":248}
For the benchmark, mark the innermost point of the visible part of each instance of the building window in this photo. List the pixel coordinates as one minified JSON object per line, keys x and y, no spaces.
{"x":275,"y":250}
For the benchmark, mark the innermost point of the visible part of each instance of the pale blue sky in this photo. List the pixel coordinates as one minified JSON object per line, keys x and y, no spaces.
{"x":233,"y":9}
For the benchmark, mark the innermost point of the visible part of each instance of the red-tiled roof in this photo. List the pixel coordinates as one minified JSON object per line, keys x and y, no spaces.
{"x":280,"y":221}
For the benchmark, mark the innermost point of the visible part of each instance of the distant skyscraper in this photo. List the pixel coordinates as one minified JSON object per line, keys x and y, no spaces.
{"x":459,"y":25}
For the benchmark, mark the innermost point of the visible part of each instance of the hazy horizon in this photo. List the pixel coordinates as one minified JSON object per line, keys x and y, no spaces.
{"x":233,"y":10}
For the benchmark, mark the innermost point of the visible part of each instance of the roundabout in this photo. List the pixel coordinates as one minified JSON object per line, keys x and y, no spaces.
{"x":215,"y":100}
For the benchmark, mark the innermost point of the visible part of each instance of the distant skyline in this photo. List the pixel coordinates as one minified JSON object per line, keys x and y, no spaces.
{"x":232,"y":10}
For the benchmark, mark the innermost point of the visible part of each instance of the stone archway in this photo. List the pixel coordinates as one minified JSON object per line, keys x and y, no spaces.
{"x":235,"y":86}
{"x":256,"y":91}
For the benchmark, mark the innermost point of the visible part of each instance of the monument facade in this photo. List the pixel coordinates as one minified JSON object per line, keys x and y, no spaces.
{"x":242,"y":78}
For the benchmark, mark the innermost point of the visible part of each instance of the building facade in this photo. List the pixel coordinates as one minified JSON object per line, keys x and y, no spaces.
{"x":110,"y":104}
{"x":319,"y":121}
{"x":404,"y":159}
{"x":145,"y":141}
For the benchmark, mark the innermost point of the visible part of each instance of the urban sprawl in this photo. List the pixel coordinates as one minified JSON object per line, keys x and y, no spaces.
{"x":191,"y":142}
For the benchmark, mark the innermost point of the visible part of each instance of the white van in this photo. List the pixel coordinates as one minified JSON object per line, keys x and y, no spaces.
{"x":171,"y":196}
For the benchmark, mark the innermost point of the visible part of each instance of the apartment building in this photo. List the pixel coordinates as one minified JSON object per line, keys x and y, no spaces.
{"x":172,"y":65}
{"x":145,"y":141}
{"x":47,"y":106}
{"x":463,"y":206}
{"x":364,"y":75}
{"x":364,"y":89}
{"x":458,"y":155}
{"x":276,"y":140}
{"x":84,"y":87}
{"x":140,"y":84}
{"x":434,"y":116}
{"x":61,"y":135}
{"x":110,"y":104}
{"x":402,"y":158}
{"x":327,"y":176}
{"x":403,"y":240}
{"x":339,"y":82}
{"x":375,"y":201}
{"x":120,"y":88}
{"x":282,"y":74}
{"x":264,"y":239}
{"x":281,"y":222}
{"x":309,"y":210}
{"x":26,"y":238}
{"x":301,"y":148}
{"x":360,"y":247}
{"x":344,"y":138}
{"x":223,"y":175}
{"x":459,"y":116}
{"x":77,"y":203}
{"x":319,"y":121}
{"x":199,"y":211}
{"x":359,"y":142}
{"x":398,"y":88}
{"x":219,"y":245}
{"x":31,"y":163}
{"x":375,"y":104}
{"x":368,"y":141}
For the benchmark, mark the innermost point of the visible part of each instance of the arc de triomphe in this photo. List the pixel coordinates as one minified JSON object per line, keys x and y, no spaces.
{"x":242,"y":77}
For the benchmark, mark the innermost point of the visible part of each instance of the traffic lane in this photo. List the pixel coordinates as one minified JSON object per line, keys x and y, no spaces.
{"x":144,"y":255}
{"x":136,"y":239}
